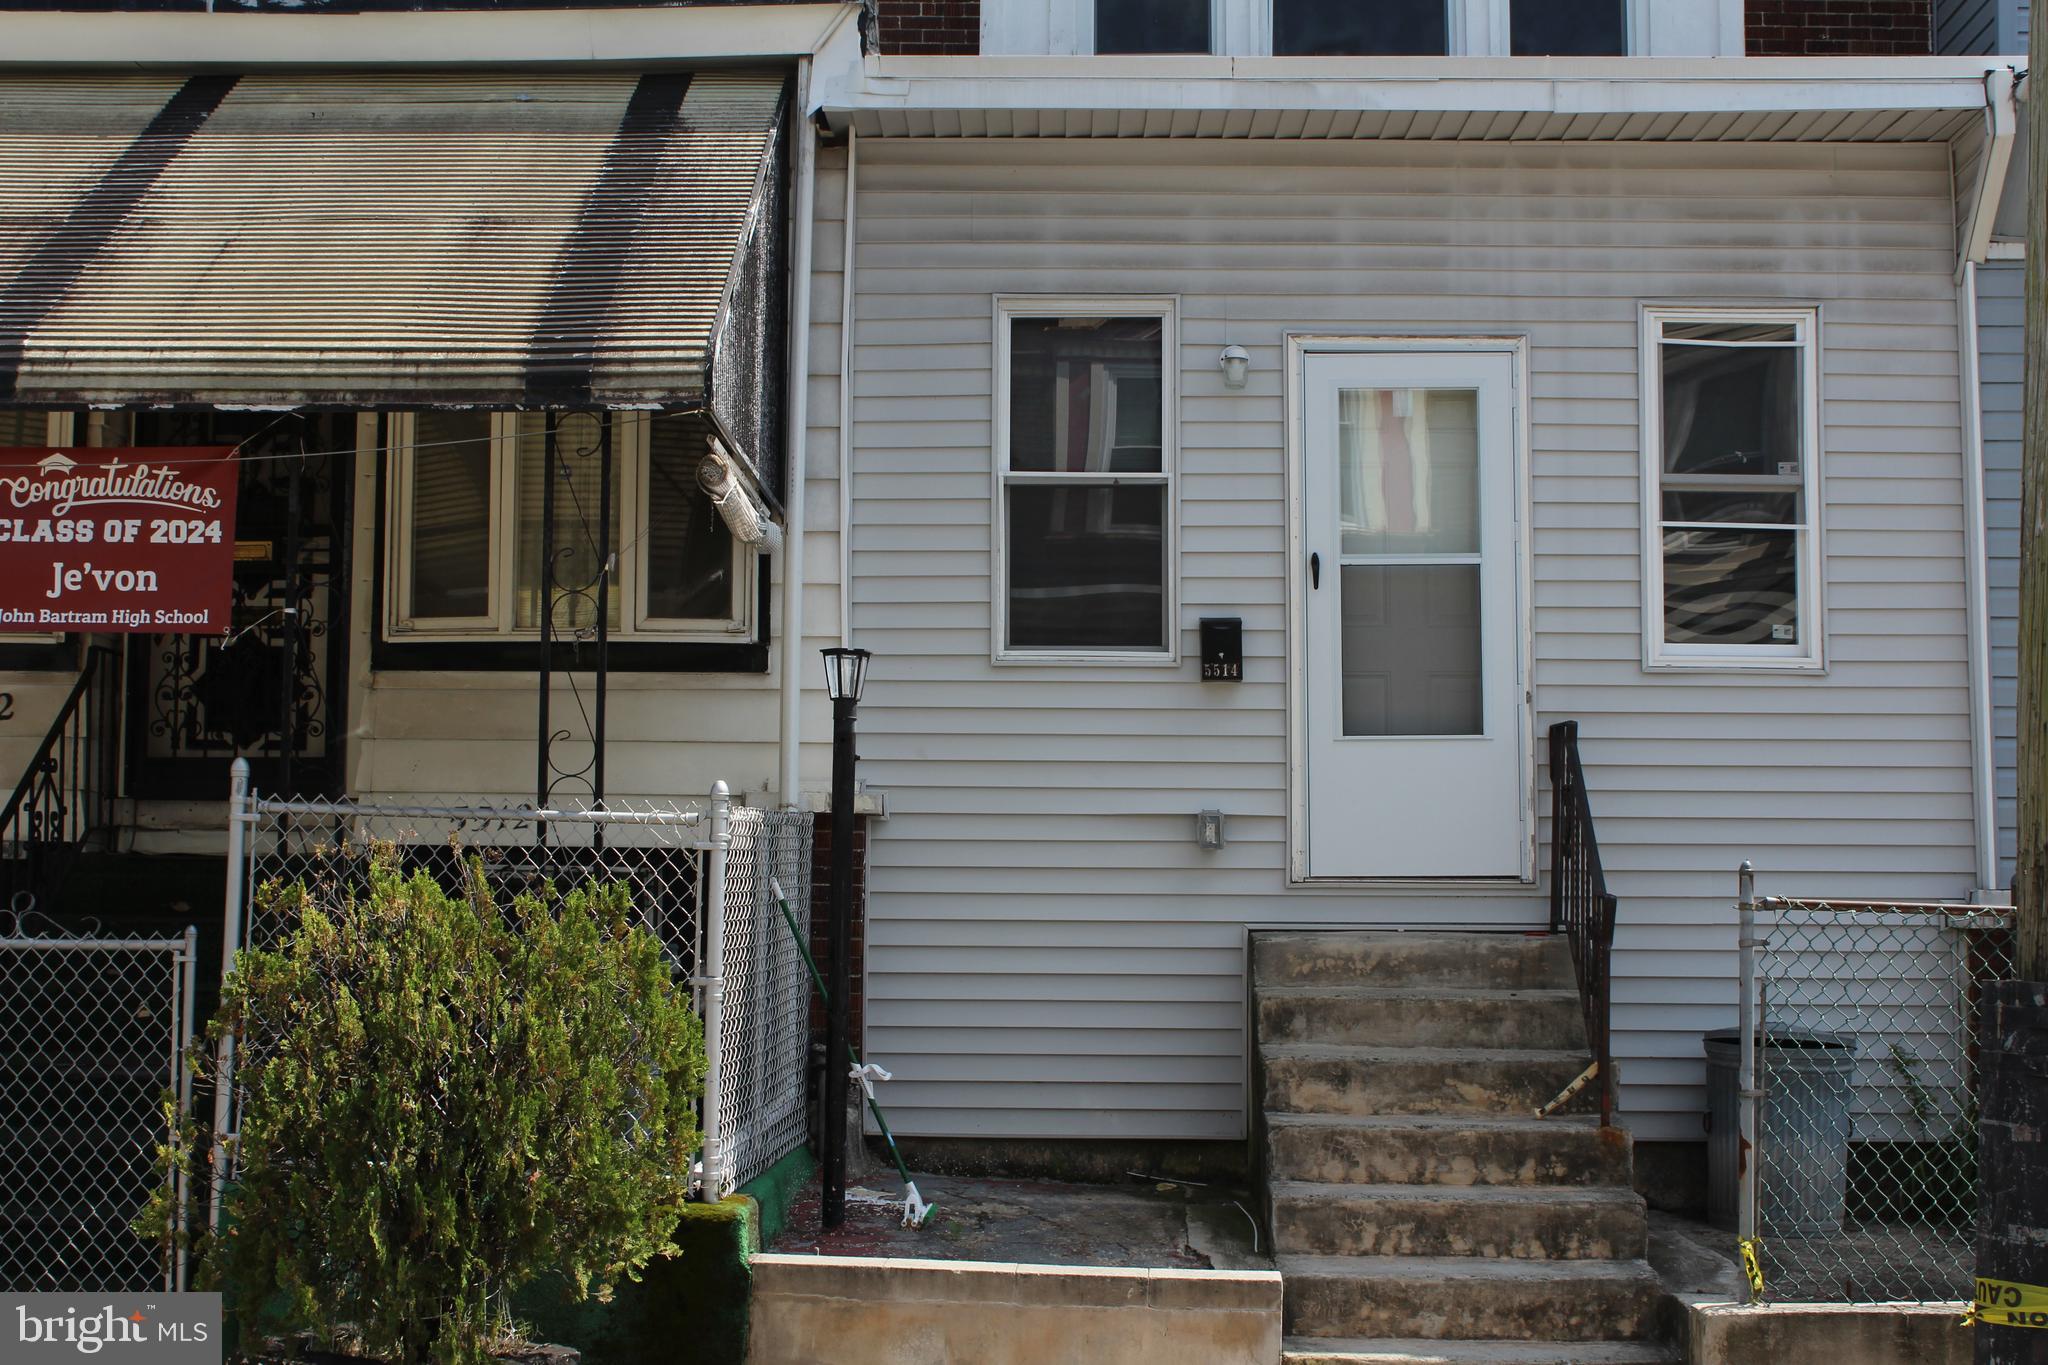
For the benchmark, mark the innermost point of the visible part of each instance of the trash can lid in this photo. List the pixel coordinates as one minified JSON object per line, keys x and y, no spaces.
{"x":1786,"y":1040}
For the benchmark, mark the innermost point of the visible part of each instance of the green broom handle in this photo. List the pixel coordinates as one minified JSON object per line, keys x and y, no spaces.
{"x":818,"y":980}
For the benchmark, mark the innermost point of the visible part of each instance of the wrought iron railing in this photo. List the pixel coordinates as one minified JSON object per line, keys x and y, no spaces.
{"x":66,"y":794}
{"x":1581,"y":908}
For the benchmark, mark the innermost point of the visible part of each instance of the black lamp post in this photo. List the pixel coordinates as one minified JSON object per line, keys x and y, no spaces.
{"x":845,"y":672}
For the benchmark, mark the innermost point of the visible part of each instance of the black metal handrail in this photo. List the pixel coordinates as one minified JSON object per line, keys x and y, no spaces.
{"x":66,"y":793}
{"x":1581,"y":908}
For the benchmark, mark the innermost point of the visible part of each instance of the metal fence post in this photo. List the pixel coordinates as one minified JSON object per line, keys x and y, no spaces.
{"x":188,"y":1009}
{"x":712,"y":970}
{"x":239,"y":819}
{"x":1746,"y":1153}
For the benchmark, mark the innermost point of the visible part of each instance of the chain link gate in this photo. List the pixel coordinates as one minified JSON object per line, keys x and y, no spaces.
{"x":1862,"y":1028}
{"x":97,"y":1035}
{"x":674,"y":859}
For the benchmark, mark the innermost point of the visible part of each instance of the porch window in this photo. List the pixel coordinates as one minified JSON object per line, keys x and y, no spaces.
{"x":465,"y":520}
{"x":1731,"y":440}
{"x":1085,"y":457}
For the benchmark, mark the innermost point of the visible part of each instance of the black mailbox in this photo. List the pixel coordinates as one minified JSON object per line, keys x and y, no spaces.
{"x":1223,"y":649}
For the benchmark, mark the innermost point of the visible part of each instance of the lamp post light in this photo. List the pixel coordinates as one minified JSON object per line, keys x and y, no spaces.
{"x":846,"y":671}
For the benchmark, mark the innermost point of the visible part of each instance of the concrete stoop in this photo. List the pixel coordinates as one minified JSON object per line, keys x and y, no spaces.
{"x":1421,"y":1213}
{"x":844,"y":1310}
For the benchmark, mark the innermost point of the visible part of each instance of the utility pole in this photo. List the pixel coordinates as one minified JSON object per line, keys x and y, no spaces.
{"x":2012,"y":1169}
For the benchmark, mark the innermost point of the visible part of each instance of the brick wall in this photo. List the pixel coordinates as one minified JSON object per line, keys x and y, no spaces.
{"x":1838,"y":28}
{"x":929,"y":28}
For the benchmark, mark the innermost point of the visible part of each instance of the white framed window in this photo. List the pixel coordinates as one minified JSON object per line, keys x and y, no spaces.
{"x":1264,"y":28}
{"x":464,"y":526}
{"x":1731,"y":488}
{"x":1086,"y":404}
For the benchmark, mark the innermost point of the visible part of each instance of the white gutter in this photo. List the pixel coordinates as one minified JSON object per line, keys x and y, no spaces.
{"x":1976,"y":588}
{"x":1566,"y":86}
{"x":846,"y":393}
{"x":788,"y":787}
{"x":564,"y":37}
{"x":2001,"y":123}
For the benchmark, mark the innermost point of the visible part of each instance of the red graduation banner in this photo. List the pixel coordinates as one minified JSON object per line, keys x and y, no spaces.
{"x":117,"y":540}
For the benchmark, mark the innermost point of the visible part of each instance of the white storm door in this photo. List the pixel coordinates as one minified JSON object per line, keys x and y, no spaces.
{"x":1413,"y":687}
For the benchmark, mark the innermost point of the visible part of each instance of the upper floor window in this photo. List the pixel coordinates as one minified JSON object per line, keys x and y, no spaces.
{"x":1731,"y":485}
{"x":1567,"y":28}
{"x":1385,"y":28}
{"x":1363,"y":28}
{"x":1144,"y":26}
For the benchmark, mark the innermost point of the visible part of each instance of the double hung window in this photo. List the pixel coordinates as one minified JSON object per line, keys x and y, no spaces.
{"x":1085,"y":455}
{"x":1731,"y":440}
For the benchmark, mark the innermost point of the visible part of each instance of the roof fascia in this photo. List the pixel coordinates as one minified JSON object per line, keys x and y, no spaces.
{"x":1611,"y":85}
{"x":637,"y":37}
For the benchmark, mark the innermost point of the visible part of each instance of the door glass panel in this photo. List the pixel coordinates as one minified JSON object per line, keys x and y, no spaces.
{"x":1384,"y":28}
{"x":1410,"y":654}
{"x":1408,"y":471}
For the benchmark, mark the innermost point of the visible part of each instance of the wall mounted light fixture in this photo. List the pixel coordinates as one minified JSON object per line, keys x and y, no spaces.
{"x":1235,"y":362}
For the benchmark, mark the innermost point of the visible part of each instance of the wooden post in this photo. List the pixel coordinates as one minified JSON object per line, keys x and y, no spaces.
{"x":2012,"y":1236}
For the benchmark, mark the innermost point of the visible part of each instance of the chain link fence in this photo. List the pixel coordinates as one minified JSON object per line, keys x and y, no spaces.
{"x":674,"y":859}
{"x":1865,"y":1079}
{"x":96,"y":1032}
{"x":764,"y":1028}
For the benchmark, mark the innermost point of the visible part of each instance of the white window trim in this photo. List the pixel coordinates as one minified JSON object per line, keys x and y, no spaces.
{"x":1809,"y":655}
{"x":1244,"y":28}
{"x":631,"y":466}
{"x":1008,"y":308}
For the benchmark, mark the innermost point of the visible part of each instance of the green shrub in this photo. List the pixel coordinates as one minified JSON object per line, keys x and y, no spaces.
{"x":446,"y":1098}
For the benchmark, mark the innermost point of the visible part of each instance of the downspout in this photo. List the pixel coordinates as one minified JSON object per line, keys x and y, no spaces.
{"x":799,"y":423}
{"x":1976,"y":585}
{"x":846,"y":393}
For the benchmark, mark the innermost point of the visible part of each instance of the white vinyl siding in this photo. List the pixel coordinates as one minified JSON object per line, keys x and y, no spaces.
{"x":1980,"y":27}
{"x":2001,"y":309}
{"x":1049,"y":952}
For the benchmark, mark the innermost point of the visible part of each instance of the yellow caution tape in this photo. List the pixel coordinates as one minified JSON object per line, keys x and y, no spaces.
{"x":2003,"y":1303}
{"x":1753,"y":1266}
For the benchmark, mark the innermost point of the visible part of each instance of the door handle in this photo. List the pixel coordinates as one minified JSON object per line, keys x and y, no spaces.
{"x":1315,"y":571}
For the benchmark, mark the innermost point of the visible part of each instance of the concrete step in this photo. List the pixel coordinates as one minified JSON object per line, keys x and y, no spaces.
{"x":1420,"y":1016}
{"x":1401,"y":1149}
{"x":1442,"y":1220}
{"x":1507,"y":962}
{"x":1356,"y":1351}
{"x":1327,"y":1078}
{"x":1468,"y":1298}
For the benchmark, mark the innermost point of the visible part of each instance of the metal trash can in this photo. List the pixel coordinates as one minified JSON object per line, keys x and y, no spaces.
{"x":1805,"y":1130}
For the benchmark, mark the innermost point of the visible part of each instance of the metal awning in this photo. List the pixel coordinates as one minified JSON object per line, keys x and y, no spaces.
{"x":391,"y":240}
